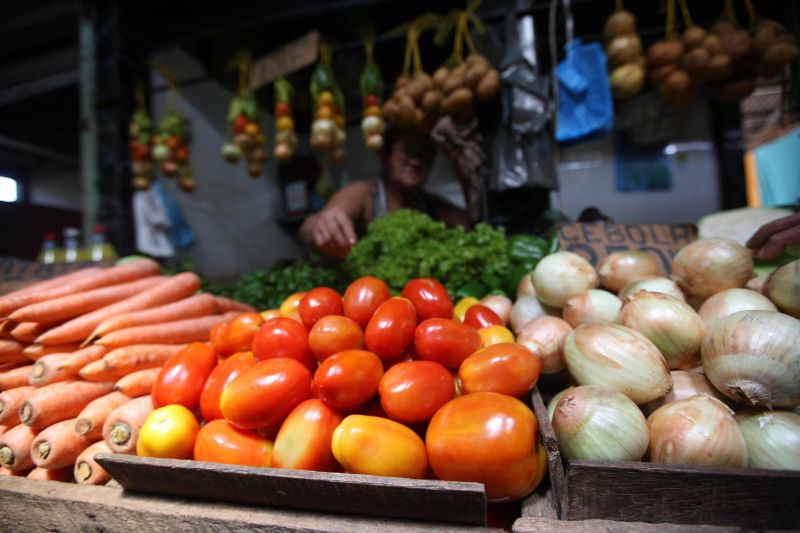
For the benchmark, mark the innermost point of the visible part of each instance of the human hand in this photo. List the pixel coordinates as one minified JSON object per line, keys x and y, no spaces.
{"x":332,"y":232}
{"x":771,"y":239}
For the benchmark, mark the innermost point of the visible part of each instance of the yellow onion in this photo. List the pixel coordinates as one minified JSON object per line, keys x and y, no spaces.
{"x":731,"y":301}
{"x":594,"y":305}
{"x":685,"y":385}
{"x":783,"y":288}
{"x":598,"y":424}
{"x":753,"y":357}
{"x":551,"y":405}
{"x":500,"y":304}
{"x":562,"y":275}
{"x":772,"y":438}
{"x":617,"y":358}
{"x":622,"y":268}
{"x":549,"y":333}
{"x":699,"y":430}
{"x":525,"y":309}
{"x":653,"y":284}
{"x":674,"y":327}
{"x":757,"y":284}
{"x":708,"y":266}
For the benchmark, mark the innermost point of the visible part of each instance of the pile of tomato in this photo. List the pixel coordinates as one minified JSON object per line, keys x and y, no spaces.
{"x":367,"y":383}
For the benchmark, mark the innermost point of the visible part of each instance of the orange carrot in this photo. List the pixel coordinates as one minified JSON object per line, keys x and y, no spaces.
{"x":15,"y":447}
{"x":87,"y":471}
{"x":11,"y":351}
{"x":121,"y":430}
{"x":192,"y":307}
{"x":64,"y":474}
{"x":226,"y":304}
{"x":5,"y":328}
{"x":45,"y":285}
{"x":29,"y":331}
{"x":58,"y":445}
{"x":177,"y":332}
{"x":122,"y":361}
{"x":12,"y":473}
{"x":3,"y":429}
{"x":11,"y":366}
{"x":137,"y":383}
{"x":81,"y":358}
{"x":53,"y":403}
{"x":48,"y":370}
{"x":89,"y":422}
{"x":17,"y":377}
{"x":10,"y":402}
{"x":36,"y":351}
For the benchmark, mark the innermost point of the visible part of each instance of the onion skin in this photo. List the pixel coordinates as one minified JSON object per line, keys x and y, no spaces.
{"x":622,"y":268}
{"x":525,"y":286}
{"x":499,"y":304}
{"x":732,"y":301}
{"x":772,"y":438}
{"x":653,"y":284}
{"x":562,"y":275}
{"x":551,"y":405}
{"x":699,"y":430}
{"x":525,"y":309}
{"x":685,"y":385}
{"x":753,"y":357}
{"x":783,"y":288}
{"x":601,"y":307}
{"x":549,"y":333}
{"x":617,"y":358}
{"x":708,"y":266}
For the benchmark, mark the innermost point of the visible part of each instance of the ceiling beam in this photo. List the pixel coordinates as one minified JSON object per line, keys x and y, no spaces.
{"x":28,"y":89}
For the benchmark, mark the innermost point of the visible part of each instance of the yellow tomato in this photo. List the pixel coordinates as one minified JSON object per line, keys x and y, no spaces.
{"x":252,"y":129}
{"x":372,"y":111}
{"x":461,"y":307}
{"x":268,"y":314}
{"x":291,"y":306}
{"x":495,"y":335}
{"x":285,"y":124}
{"x":168,"y":432}
{"x":324,"y":111}
{"x":326,"y":98}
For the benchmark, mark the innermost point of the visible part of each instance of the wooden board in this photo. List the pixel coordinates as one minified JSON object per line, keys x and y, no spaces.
{"x":426,"y":500}
{"x":531,"y":525}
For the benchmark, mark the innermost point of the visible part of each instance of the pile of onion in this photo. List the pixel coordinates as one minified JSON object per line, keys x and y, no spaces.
{"x":783,"y":288}
{"x":547,"y":333}
{"x":653,"y":284}
{"x":594,"y":305}
{"x":525,"y":309}
{"x":708,"y":266}
{"x":562,"y":275}
{"x":621,"y":268}
{"x":685,"y":385}
{"x":732,"y":301}
{"x":772,"y":438}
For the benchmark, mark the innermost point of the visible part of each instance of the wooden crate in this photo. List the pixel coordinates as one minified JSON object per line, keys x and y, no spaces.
{"x":681,"y":494}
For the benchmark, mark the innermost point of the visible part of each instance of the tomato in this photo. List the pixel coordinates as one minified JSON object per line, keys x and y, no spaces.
{"x":168,"y":432}
{"x":215,"y":332}
{"x":283,"y":337}
{"x":507,"y":368}
{"x":488,"y":438}
{"x":238,"y":333}
{"x":479,"y":316}
{"x":495,"y":335}
{"x":224,"y":373}
{"x":183,"y":376}
{"x":317,"y":303}
{"x":304,"y":440}
{"x":220,"y":442}
{"x":445,"y":341}
{"x":363,"y":297}
{"x":181,"y":154}
{"x":239,"y":123}
{"x":282,"y":109}
{"x":265,"y":393}
{"x":391,"y":328}
{"x":379,"y":447}
{"x":370,"y":100}
{"x":332,"y":334}
{"x":408,"y":355}
{"x":429,"y":297}
{"x":348,"y":379}
{"x":172,"y":142}
{"x":269,"y":314}
{"x":290,"y":306}
{"x":412,"y":392}
{"x":463,"y":305}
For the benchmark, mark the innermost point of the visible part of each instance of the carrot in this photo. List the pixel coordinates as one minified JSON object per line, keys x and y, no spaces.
{"x":11,"y":351}
{"x":13,"y":473}
{"x":3,"y":429}
{"x":5,"y":328}
{"x":226,"y":304}
{"x":17,"y":377}
{"x":121,"y":430}
{"x":58,"y":445}
{"x":15,"y":447}
{"x":10,"y":402}
{"x":81,"y":358}
{"x":87,"y":471}
{"x":137,"y":383}
{"x":89,"y":422}
{"x":29,"y":331}
{"x":64,"y":474}
{"x":59,"y":401}
{"x":36,"y":351}
{"x":11,"y":366}
{"x":192,"y":307}
{"x":177,"y":332}
{"x":45,"y":285}
{"x":48,"y":370}
{"x":104,"y":278}
{"x":122,"y":361}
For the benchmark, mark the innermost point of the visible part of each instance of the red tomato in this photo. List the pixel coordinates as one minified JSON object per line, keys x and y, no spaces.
{"x":317,"y":303}
{"x":182,"y":377}
{"x":412,"y":392}
{"x":363,"y":297}
{"x":333,"y":334}
{"x":480,"y":316}
{"x":429,"y":297}
{"x":283,"y":337}
{"x":408,"y":355}
{"x":224,"y":373}
{"x":215,"y":332}
{"x":220,"y":442}
{"x":181,"y":154}
{"x":446,"y":341}
{"x":507,"y":368}
{"x":304,"y":440}
{"x":348,"y":379}
{"x":238,"y":333}
{"x":265,"y":393}
{"x":370,"y":100}
{"x":391,"y":328}
{"x":173,"y":142}
{"x":239,"y":123}
{"x":282,"y":109}
{"x":488,"y":438}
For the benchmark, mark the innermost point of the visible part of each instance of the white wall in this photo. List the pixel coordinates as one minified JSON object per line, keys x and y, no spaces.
{"x":55,"y":185}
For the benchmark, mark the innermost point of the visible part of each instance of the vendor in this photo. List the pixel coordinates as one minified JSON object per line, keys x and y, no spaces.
{"x":772,"y":238}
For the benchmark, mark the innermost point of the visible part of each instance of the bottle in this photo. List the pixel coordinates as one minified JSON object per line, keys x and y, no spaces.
{"x":101,"y":249}
{"x":71,"y":244}
{"x":47,"y":254}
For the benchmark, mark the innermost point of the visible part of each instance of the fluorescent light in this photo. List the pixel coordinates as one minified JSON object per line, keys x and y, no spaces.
{"x":8,"y":189}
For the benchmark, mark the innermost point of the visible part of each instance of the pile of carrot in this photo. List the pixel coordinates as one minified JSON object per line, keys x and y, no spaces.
{"x":78,"y":356}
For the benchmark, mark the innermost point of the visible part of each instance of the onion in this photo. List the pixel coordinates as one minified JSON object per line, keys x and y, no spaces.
{"x":753,"y":357}
{"x":621,"y":268}
{"x":674,"y":327}
{"x":594,"y":305}
{"x":783,"y":288}
{"x":699,"y":430}
{"x":772,"y":438}
{"x":653,"y":284}
{"x":598,"y":424}
{"x":731,"y":301}
{"x":525,"y":309}
{"x":617,"y":358}
{"x":551,"y":406}
{"x":499,"y":304}
{"x":685,"y":385}
{"x":549,"y":333}
{"x":708,"y":266}
{"x":562,"y":275}
{"x":525,"y":285}
{"x":757,"y":284}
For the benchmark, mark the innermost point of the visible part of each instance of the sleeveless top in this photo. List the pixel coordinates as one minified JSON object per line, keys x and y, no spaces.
{"x":380,"y":201}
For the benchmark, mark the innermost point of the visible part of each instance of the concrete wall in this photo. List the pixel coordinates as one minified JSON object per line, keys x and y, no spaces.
{"x":55,"y":185}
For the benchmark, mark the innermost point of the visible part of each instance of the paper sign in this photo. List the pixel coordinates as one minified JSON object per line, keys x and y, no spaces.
{"x":596,"y":241}
{"x":285,"y":60}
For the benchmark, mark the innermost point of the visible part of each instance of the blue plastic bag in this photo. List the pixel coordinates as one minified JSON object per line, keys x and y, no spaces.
{"x":180,"y":234}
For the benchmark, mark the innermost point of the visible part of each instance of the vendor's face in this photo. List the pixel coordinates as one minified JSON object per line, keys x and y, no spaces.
{"x":410,"y":160}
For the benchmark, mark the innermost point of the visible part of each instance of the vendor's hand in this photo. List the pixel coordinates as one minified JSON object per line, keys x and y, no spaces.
{"x":332,"y":232}
{"x":771,"y":239}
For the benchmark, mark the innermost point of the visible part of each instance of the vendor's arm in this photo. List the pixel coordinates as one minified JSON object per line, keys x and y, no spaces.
{"x":332,"y":229}
{"x":772,"y":239}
